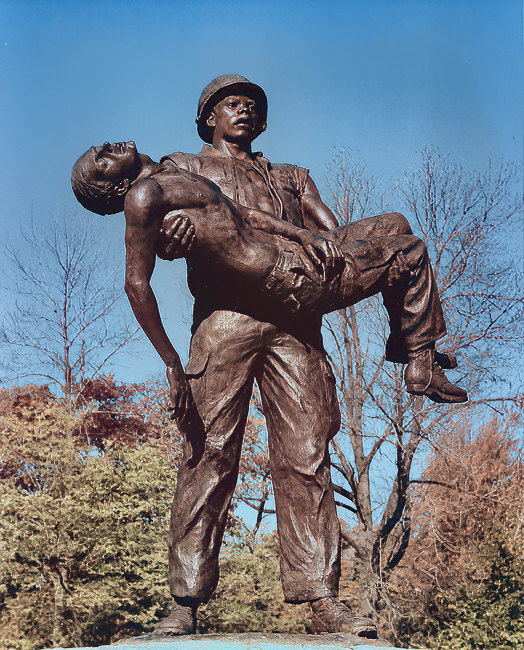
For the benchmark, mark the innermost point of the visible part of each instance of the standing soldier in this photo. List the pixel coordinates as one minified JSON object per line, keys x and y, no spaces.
{"x":233,"y":344}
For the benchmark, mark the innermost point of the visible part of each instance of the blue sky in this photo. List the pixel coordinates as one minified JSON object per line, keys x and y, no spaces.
{"x":384,"y":77}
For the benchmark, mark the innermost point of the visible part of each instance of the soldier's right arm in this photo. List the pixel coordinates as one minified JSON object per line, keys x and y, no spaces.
{"x":177,"y":235}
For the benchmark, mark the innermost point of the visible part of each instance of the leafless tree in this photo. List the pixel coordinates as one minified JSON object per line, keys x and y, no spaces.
{"x":65,"y":321}
{"x":464,"y":217}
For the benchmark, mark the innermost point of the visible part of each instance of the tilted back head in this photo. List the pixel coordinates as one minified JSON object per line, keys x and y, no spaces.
{"x":217,"y":90}
{"x":98,"y":196}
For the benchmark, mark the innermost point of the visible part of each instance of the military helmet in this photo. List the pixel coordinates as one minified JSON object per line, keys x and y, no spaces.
{"x":223,"y":86}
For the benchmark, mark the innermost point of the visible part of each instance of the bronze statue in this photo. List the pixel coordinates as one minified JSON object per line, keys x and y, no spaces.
{"x":262,"y":278}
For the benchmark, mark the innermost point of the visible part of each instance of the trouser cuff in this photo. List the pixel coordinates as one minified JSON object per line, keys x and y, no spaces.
{"x":187,"y":601}
{"x":310,"y":594}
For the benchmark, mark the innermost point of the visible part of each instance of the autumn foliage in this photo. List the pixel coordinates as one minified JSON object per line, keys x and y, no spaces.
{"x":461,"y":584}
{"x":85,"y":500}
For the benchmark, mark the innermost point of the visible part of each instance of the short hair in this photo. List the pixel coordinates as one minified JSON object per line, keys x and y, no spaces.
{"x":93,"y":194}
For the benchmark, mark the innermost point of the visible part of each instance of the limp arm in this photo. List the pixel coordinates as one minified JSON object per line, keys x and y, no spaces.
{"x":142,"y":226}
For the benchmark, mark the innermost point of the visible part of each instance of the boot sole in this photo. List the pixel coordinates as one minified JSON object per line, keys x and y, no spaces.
{"x":360,"y":629}
{"x":436,"y":395}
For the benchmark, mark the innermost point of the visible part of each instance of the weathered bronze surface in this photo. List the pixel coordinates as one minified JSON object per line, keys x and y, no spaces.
{"x":266,"y":259}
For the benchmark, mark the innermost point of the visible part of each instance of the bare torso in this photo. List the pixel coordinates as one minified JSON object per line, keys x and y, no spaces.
{"x":225,"y":246}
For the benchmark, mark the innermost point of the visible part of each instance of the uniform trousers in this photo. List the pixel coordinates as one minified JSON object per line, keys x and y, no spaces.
{"x":228,"y":352}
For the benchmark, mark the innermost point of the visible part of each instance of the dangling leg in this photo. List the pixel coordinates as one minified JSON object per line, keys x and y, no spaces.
{"x":400,"y":269}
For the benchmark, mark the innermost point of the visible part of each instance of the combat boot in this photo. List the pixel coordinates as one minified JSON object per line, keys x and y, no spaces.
{"x":424,"y":376}
{"x":181,"y":620}
{"x":330,"y":615}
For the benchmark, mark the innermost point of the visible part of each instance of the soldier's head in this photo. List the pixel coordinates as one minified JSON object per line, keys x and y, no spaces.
{"x":233,"y":108}
{"x":102,"y":176}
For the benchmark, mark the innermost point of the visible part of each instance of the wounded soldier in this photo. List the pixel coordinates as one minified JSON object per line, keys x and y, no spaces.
{"x":252,"y":262}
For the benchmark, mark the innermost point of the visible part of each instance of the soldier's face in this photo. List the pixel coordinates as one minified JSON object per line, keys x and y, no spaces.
{"x":114,"y":161}
{"x":235,"y":118}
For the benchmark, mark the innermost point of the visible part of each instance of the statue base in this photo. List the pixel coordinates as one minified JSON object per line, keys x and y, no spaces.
{"x":249,"y":641}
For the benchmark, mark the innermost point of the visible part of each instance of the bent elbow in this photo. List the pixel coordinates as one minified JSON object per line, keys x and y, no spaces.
{"x":400,"y":224}
{"x":136,"y":291}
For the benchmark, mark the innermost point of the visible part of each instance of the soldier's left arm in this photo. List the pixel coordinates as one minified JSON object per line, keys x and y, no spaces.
{"x":317,"y":216}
